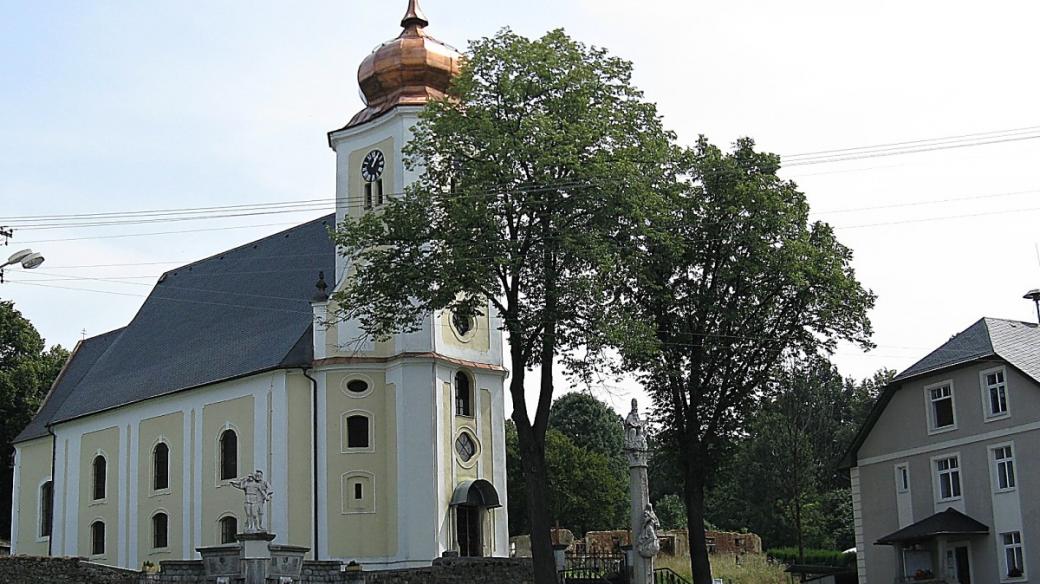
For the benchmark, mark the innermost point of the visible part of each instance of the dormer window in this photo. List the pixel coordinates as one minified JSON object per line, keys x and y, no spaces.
{"x":941,"y":415}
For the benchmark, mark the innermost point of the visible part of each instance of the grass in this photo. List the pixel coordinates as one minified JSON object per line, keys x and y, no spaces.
{"x":753,"y":569}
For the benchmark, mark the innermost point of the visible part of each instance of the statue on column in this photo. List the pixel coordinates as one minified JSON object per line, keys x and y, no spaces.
{"x":647,"y":543}
{"x":635,"y":435}
{"x":258,"y":493}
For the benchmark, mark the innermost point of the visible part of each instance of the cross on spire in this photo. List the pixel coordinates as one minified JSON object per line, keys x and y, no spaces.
{"x":414,"y":16}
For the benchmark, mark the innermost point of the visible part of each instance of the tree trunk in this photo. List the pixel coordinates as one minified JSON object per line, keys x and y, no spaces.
{"x":532,"y":461}
{"x":700,"y":567}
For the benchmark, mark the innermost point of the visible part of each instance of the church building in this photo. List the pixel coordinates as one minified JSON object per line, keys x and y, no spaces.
{"x":388,"y":453}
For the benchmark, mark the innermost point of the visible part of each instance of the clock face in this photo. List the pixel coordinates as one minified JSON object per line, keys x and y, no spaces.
{"x":372,"y":166}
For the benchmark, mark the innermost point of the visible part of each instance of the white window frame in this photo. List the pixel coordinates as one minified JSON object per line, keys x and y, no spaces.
{"x":987,"y":412}
{"x":903,"y":477}
{"x":1003,"y":557}
{"x":169,"y":469}
{"x":93,"y":479}
{"x":995,"y":466}
{"x":104,"y":539}
{"x":344,"y":444}
{"x":937,"y":477}
{"x":39,"y":510}
{"x":219,"y":482}
{"x":930,"y":407}
{"x":151,"y":526}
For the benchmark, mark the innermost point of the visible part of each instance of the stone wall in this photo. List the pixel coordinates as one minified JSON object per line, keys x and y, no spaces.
{"x":36,"y":570}
{"x":460,"y":571}
{"x":675,"y":542}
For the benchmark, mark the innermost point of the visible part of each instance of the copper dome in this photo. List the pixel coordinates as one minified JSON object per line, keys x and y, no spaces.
{"x":408,"y":70}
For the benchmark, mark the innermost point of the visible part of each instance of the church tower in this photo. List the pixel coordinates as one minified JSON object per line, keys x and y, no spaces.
{"x":413,"y":460}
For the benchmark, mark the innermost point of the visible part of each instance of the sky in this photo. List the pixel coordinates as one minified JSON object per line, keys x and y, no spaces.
{"x":114,"y":106}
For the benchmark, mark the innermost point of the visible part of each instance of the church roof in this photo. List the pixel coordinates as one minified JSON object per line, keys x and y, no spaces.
{"x":237,"y":313}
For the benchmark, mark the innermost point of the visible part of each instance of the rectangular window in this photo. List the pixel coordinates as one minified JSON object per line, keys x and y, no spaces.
{"x":379,"y":191}
{"x":1014,"y":566}
{"x":941,"y":400}
{"x":358,"y":491}
{"x":368,"y":195}
{"x":902,"y":478}
{"x":1005,"y":463}
{"x":46,"y":508}
{"x":949,"y":478}
{"x":995,"y":393}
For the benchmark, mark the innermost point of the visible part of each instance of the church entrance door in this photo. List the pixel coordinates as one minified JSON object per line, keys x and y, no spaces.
{"x":467,"y":526}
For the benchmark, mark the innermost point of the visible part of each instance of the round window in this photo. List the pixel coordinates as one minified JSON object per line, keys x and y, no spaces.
{"x":465,"y":447}
{"x":357,"y":386}
{"x":463,"y":324}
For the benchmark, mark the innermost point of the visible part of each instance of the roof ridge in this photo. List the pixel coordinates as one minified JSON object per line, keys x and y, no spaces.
{"x":323,"y":218}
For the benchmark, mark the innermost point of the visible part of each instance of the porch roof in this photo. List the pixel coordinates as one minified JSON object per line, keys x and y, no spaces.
{"x":948,"y":522}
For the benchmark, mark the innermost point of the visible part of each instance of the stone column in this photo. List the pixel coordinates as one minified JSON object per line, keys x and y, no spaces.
{"x":643,"y":520}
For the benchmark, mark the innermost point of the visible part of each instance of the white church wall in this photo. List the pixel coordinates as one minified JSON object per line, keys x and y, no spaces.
{"x":251,"y":404}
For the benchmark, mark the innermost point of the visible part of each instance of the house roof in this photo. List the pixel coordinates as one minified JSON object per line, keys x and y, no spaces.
{"x":1011,"y":341}
{"x":240,"y":312}
{"x":948,"y":522}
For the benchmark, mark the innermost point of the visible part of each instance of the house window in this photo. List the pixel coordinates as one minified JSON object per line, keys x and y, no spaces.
{"x":1005,"y":462}
{"x":228,"y":529}
{"x":1014,"y":566}
{"x":463,"y":395}
{"x":160,"y":530}
{"x":465,"y":447}
{"x":949,"y":478}
{"x":996,"y":393}
{"x":902,"y":478}
{"x":357,"y":386}
{"x":161,"y":467}
{"x":357,"y":431}
{"x":358,"y":492}
{"x":228,"y":455}
{"x":941,"y":401}
{"x":100,"y":468}
{"x":46,"y":508}
{"x":368,"y":195}
{"x":97,"y":538}
{"x":378,"y":187}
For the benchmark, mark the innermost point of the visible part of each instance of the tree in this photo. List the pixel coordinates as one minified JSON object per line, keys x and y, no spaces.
{"x":27,"y":371}
{"x":731,"y":279}
{"x":584,"y":486}
{"x":671,"y":511}
{"x":534,"y":172}
{"x":589,"y":422}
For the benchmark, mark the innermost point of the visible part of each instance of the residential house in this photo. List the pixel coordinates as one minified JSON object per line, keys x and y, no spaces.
{"x":945,"y":483}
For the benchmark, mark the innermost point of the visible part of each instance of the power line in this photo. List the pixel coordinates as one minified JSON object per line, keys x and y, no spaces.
{"x":879,"y":154}
{"x":890,"y":145}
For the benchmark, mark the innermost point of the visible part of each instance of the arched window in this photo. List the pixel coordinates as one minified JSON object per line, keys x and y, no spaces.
{"x":160,"y":530}
{"x":357,"y":432}
{"x":463,"y":395}
{"x":46,"y":508}
{"x":228,"y":529}
{"x":161,"y":467}
{"x":100,"y":468}
{"x":97,"y":538}
{"x":228,"y":455}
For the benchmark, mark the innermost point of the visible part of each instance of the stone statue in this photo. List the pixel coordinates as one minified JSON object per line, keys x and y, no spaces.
{"x":647,"y":543}
{"x":635,"y":430}
{"x":258,"y":493}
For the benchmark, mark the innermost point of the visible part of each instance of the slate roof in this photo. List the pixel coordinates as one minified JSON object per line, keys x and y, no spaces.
{"x":948,"y":522}
{"x":1016,"y":342}
{"x":237,"y":313}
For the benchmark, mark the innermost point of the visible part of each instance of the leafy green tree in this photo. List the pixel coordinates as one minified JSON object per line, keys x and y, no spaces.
{"x":589,"y":422}
{"x":27,"y":371}
{"x":534,"y":173}
{"x":671,"y":511}
{"x":809,"y":408}
{"x":583,"y":487}
{"x":732,"y":278}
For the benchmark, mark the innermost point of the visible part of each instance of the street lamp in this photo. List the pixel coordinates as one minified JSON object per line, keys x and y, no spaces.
{"x":27,"y":258}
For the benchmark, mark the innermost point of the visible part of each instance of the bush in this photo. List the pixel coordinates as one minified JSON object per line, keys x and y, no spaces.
{"x":813,"y":557}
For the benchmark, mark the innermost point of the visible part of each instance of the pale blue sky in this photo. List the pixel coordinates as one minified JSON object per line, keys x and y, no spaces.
{"x":129,"y":105}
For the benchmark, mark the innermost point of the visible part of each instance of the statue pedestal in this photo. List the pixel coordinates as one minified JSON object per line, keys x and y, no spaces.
{"x":253,"y":560}
{"x":256,"y":556}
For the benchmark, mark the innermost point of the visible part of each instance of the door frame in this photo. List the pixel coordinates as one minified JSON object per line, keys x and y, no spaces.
{"x":953,"y":545}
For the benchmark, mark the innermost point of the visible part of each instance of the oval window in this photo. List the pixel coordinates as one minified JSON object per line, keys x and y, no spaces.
{"x":465,"y":447}
{"x":462,"y":324}
{"x":357,"y":386}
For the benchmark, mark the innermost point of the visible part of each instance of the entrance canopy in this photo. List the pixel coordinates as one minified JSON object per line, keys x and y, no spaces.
{"x":947,"y":523}
{"x":476,"y":493}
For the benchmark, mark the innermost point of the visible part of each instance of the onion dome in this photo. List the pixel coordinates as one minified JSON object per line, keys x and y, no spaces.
{"x":411,"y":69}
